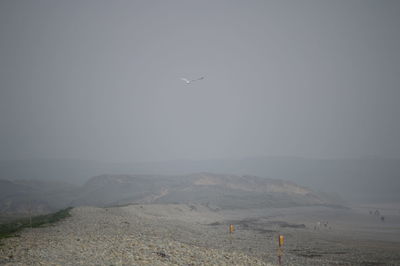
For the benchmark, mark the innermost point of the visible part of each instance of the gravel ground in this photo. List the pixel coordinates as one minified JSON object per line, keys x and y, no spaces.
{"x":114,"y":236}
{"x":177,"y":234}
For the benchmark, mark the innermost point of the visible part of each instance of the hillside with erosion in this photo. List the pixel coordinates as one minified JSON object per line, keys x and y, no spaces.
{"x":217,"y":191}
{"x":213,"y":190}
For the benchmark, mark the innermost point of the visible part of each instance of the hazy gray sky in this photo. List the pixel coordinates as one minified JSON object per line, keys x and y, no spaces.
{"x":100,"y":79}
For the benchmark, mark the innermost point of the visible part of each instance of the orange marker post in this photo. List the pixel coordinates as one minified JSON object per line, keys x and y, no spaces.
{"x":231,"y":228}
{"x":281,"y":239}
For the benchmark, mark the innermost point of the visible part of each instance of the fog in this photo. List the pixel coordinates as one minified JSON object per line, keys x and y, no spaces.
{"x":302,"y":91}
{"x":293,"y":131}
{"x":100,"y":80}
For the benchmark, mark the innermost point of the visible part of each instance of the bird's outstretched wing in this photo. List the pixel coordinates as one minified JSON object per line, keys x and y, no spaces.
{"x":190,"y":81}
{"x":186,"y":80}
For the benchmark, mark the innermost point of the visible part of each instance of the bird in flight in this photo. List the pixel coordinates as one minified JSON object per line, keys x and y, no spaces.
{"x":190,"y":81}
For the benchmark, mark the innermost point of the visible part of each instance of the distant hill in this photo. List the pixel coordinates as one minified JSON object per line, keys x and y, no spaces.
{"x":213,"y":190}
{"x":368,"y":179}
{"x":34,"y":196}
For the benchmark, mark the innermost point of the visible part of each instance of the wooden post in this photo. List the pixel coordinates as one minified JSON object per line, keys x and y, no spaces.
{"x":231,"y":228}
{"x":281,"y":240}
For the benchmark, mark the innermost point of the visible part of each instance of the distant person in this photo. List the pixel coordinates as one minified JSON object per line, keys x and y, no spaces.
{"x":317,"y":226}
{"x":382,"y":218}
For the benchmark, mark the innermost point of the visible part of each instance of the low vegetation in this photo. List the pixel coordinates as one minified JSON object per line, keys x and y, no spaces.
{"x":11,"y":228}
